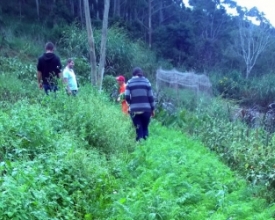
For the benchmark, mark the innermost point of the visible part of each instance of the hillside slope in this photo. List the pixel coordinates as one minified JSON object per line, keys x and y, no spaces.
{"x":75,"y":158}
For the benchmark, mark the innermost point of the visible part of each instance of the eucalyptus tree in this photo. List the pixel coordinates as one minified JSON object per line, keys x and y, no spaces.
{"x":37,"y":8}
{"x":210,"y":23}
{"x":103,"y":42}
{"x":97,"y":73}
{"x":91,"y":42}
{"x":254,"y":36}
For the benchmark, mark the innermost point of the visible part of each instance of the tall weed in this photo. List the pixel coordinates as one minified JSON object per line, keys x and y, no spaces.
{"x":94,"y":119}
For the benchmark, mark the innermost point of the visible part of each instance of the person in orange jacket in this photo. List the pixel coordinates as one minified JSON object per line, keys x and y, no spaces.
{"x":121,"y":97}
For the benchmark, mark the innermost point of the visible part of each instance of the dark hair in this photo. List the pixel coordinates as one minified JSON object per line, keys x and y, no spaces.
{"x":49,"y":46}
{"x":69,"y":60}
{"x":137,"y":71}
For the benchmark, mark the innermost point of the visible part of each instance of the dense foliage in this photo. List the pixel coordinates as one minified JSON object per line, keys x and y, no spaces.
{"x":243,"y":141}
{"x":203,"y":38}
{"x":75,"y":158}
{"x":62,"y":158}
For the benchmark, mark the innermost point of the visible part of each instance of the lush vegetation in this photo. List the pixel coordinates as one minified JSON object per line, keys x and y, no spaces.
{"x":75,"y":157}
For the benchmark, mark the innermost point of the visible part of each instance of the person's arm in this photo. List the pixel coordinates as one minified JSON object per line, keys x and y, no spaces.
{"x":59,"y":68}
{"x":127,"y":95}
{"x":39,"y":73}
{"x":60,"y":75}
{"x":66,"y":80}
{"x":151,"y":100}
{"x":39,"y":79}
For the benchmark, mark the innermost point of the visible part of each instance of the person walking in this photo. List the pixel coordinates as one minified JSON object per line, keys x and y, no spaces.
{"x":69,"y":78}
{"x":121,"y":96}
{"x":48,"y":69}
{"x":139,"y":96}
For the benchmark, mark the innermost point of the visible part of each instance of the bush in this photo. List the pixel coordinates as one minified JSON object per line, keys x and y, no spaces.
{"x":13,"y":89}
{"x":26,"y":131}
{"x":261,"y":91}
{"x":121,"y":56}
{"x":110,"y":86}
{"x":94,"y":120}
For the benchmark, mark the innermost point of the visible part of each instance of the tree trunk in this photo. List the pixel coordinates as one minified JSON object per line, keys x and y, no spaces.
{"x":253,"y":41}
{"x":37,"y":8}
{"x":103,"y":42}
{"x":80,"y":12}
{"x":116,"y":9}
{"x":97,"y":10}
{"x":91,"y":42}
{"x":72,"y":7}
{"x":150,"y":23}
{"x":161,"y":16}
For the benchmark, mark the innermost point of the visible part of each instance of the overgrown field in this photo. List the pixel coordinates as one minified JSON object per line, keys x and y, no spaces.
{"x":75,"y":158}
{"x":247,"y":149}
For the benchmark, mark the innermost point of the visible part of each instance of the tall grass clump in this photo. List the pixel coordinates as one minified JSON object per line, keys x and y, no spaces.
{"x":22,"y":39}
{"x":261,"y":91}
{"x":221,"y":128}
{"x":93,"y":119}
{"x":50,"y":175}
{"x":249,"y":92}
{"x":25,"y":131}
{"x":13,"y":89}
{"x":53,"y":156}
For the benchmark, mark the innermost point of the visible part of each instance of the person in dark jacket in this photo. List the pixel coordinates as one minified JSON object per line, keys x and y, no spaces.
{"x":48,"y":69}
{"x":139,"y":96}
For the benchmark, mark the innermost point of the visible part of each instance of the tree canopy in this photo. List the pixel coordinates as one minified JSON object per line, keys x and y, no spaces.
{"x":203,"y":37}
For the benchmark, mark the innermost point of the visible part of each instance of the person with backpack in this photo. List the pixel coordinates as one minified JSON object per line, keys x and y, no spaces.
{"x":48,"y":69}
{"x":139,"y":96}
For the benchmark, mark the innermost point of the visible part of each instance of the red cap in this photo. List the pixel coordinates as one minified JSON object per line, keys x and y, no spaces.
{"x":120,"y":78}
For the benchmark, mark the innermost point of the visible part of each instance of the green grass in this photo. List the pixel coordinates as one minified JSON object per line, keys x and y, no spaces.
{"x":76,"y":158}
{"x":173,"y":177}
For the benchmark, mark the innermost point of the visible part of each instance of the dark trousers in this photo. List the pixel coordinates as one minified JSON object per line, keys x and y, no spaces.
{"x":73,"y":92}
{"x":49,"y":88}
{"x":141,"y":123}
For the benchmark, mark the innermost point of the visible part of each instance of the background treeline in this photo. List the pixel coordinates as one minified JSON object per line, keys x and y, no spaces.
{"x":233,"y":51}
{"x":61,"y":159}
{"x":202,"y":39}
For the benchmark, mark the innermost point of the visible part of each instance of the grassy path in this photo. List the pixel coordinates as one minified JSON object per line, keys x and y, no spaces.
{"x":172,"y":177}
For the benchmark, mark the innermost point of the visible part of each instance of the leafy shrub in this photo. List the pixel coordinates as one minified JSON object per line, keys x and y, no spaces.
{"x":110,"y":86}
{"x":249,"y":151}
{"x":65,"y":183}
{"x":94,"y":119}
{"x":261,"y":90}
{"x":26,"y":131}
{"x":13,"y":89}
{"x":122,"y":54}
{"x":15,"y":66}
{"x":230,"y":86}
{"x":74,"y":41}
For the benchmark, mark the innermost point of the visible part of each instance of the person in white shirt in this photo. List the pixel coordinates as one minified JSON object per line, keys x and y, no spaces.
{"x":69,"y":78}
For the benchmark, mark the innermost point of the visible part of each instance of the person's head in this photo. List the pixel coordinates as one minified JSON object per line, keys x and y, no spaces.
{"x":70,"y":63}
{"x":49,"y":47}
{"x":120,"y":79}
{"x":137,"y":71}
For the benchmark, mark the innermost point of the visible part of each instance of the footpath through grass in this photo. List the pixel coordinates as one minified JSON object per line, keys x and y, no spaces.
{"x":172,"y":177}
{"x":75,"y":158}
